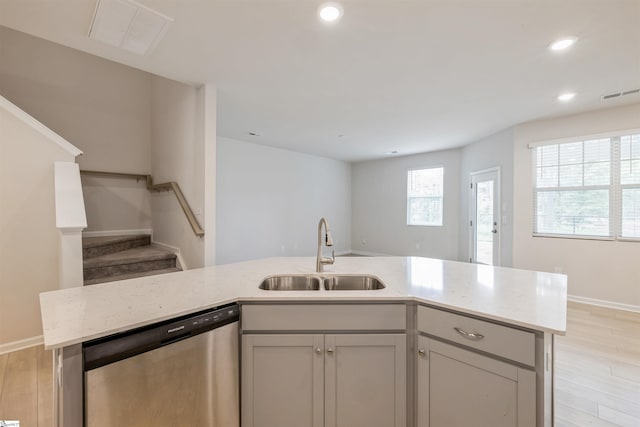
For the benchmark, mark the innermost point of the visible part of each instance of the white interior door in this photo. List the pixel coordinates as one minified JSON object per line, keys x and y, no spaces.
{"x":485,"y":217}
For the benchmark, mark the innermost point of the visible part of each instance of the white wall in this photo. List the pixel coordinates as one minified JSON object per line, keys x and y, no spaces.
{"x":604,"y":270}
{"x":207,"y":114}
{"x":178,"y":155}
{"x":269,"y":202}
{"x":28,"y":233}
{"x":489,"y":152}
{"x":114,"y":204}
{"x":379,"y":207}
{"x":100,"y":106}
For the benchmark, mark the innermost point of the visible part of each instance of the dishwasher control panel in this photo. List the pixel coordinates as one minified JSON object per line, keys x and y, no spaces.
{"x":204,"y":320}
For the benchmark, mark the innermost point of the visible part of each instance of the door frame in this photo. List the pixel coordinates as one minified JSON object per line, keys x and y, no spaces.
{"x":472,"y":206}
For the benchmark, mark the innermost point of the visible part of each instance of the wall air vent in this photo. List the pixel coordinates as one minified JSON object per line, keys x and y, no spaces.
{"x":128,"y":25}
{"x":619,"y":94}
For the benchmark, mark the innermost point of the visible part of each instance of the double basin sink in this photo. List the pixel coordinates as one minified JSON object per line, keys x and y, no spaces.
{"x":315,"y":283}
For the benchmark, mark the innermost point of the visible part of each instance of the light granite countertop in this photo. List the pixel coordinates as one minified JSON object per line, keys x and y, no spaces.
{"x":529,"y":299}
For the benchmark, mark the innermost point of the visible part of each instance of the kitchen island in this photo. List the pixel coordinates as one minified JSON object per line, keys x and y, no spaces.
{"x":529,"y":307}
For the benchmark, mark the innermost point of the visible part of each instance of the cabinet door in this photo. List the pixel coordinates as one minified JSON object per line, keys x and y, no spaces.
{"x":460,"y":388}
{"x":365,"y":380}
{"x":282,"y":380}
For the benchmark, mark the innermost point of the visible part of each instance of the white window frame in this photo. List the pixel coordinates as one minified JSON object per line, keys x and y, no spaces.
{"x":615,"y":188}
{"x":406,"y":186}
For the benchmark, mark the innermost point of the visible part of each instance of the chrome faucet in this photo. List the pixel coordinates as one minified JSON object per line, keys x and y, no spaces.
{"x":328,"y":241}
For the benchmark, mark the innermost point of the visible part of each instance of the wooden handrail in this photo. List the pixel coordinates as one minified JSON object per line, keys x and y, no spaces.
{"x":165,"y":186}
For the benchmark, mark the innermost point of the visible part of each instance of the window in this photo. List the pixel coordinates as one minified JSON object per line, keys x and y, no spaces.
{"x":424,"y":196}
{"x":630,"y":186}
{"x":588,"y":188}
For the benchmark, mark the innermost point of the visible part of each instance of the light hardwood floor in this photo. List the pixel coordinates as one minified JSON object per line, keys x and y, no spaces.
{"x":26,"y":387}
{"x":597,"y":379}
{"x":597,"y":374}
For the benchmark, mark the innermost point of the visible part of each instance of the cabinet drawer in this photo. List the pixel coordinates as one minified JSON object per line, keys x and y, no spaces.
{"x":500,"y":340}
{"x":298,"y":317}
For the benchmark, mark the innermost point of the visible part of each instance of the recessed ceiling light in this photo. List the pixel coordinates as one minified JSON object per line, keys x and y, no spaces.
{"x":562,"y":44}
{"x":330,"y":12}
{"x":565,"y":97}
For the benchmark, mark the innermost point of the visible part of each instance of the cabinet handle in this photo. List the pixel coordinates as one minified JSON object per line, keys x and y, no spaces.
{"x":421,"y":352}
{"x":329,"y":350}
{"x":318,"y":350}
{"x":469,"y":335}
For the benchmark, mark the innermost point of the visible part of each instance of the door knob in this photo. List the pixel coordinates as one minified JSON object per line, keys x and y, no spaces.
{"x":421,"y":352}
{"x":329,"y":350}
{"x":318,"y":350}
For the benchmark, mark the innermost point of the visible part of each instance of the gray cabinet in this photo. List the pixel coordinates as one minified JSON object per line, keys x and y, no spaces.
{"x":469,"y":371}
{"x":474,"y":373}
{"x":365,"y":380}
{"x":282,"y":380}
{"x":459,"y":388}
{"x":338,"y":380}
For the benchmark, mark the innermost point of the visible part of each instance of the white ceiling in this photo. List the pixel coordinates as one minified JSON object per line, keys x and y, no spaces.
{"x":411,"y":76}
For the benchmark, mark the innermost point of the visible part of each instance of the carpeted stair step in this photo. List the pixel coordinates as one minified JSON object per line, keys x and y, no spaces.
{"x":97,"y":246}
{"x":131,"y":276}
{"x":137,"y":260}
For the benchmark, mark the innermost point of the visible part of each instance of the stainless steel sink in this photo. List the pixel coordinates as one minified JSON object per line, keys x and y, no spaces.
{"x":291,"y":283}
{"x":352,"y":283}
{"x":313,"y":283}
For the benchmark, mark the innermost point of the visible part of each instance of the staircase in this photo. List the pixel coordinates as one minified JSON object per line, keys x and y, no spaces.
{"x":106,"y":259}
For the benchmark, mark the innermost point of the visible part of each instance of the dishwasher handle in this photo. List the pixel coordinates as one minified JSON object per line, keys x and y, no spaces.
{"x":175,"y":339}
{"x":117,"y":347}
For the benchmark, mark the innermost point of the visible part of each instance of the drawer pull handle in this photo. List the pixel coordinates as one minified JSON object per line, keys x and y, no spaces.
{"x":330,"y":350}
{"x":318,"y":350}
{"x":469,"y":335}
{"x":422,"y":352}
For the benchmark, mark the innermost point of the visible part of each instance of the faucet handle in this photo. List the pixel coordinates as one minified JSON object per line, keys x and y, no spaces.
{"x":329,"y":260}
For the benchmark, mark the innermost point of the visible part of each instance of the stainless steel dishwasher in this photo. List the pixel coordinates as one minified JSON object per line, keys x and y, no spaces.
{"x":183,"y":372}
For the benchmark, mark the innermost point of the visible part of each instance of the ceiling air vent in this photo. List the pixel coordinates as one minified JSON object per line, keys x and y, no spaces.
{"x":128,"y":25}
{"x":619,"y":94}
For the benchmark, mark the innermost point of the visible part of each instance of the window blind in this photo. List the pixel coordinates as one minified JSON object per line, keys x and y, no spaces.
{"x":630,"y":186}
{"x":588,"y":188}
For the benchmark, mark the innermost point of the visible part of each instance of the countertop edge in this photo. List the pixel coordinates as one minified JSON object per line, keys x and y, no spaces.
{"x":241,"y":300}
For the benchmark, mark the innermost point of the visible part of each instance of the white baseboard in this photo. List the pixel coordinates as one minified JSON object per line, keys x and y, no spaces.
{"x":604,"y":303}
{"x":107,"y":233}
{"x":173,"y":249}
{"x":363,"y":253}
{"x":21,"y":344}
{"x":340,"y":253}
